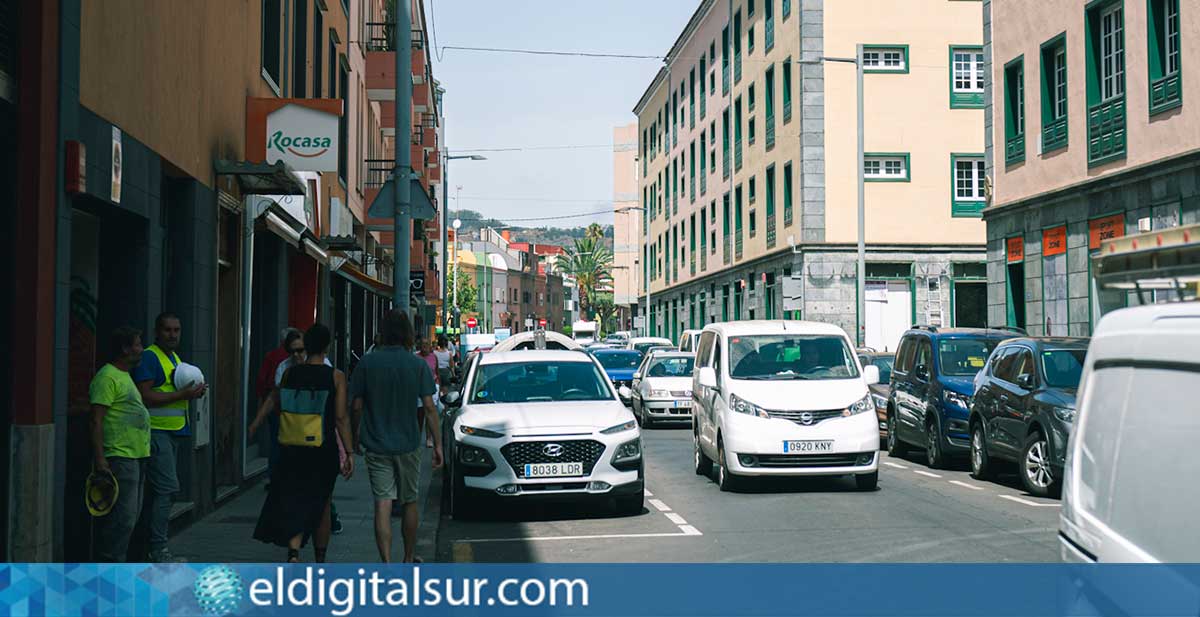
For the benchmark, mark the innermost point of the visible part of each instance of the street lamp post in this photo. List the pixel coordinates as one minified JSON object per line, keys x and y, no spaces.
{"x":457,"y":223}
{"x":860,"y":281}
{"x":445,"y":221}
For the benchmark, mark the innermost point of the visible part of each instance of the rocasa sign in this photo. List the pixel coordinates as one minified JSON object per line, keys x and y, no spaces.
{"x":303,"y":133}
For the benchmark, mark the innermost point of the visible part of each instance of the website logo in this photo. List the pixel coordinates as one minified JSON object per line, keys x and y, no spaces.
{"x":219,"y":590}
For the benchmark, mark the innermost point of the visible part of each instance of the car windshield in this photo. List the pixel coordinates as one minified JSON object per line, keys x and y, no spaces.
{"x":539,"y":382}
{"x":645,"y":346}
{"x":620,"y":359}
{"x":787,"y":357}
{"x":885,"y":367}
{"x":1063,"y":367}
{"x":964,"y":357}
{"x":671,"y":367}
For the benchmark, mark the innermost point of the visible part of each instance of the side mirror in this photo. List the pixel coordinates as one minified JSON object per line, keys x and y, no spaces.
{"x":707,"y":377}
{"x":922,"y":372}
{"x":871,"y":374}
{"x":1025,"y":381}
{"x":625,"y":392}
{"x":453,"y":400}
{"x":637,"y":376}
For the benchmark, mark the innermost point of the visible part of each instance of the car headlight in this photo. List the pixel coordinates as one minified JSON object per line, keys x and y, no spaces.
{"x":628,"y":451}
{"x":741,"y":405}
{"x":478,"y":432}
{"x":880,"y":401}
{"x":660,"y":394}
{"x":956,"y":399}
{"x":620,"y":428}
{"x":1065,"y":414}
{"x":470,"y":455}
{"x":862,"y":405}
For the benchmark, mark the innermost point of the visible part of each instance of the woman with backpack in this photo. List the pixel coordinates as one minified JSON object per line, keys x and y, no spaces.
{"x":311,"y":399}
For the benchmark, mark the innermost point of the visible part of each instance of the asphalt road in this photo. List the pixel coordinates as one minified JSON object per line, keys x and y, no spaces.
{"x":917,"y":515}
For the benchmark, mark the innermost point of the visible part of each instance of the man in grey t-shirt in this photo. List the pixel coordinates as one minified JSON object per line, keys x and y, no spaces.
{"x":385,"y":383}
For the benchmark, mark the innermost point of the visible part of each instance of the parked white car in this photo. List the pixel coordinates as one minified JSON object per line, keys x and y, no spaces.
{"x":662,"y":388}
{"x":1130,"y":491}
{"x":687,"y":340}
{"x":541,"y":424}
{"x":644,"y":343}
{"x":783,"y":398}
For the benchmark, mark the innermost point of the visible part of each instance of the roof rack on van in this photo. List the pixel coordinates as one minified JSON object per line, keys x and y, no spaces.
{"x":926,"y":327}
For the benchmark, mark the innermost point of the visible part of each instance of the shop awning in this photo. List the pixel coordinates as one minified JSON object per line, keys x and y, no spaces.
{"x":280,"y":222}
{"x":261,"y":178}
{"x":350,"y":272}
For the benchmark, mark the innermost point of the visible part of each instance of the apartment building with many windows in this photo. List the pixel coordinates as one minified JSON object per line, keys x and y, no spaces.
{"x":748,"y":166}
{"x":1091,"y":134}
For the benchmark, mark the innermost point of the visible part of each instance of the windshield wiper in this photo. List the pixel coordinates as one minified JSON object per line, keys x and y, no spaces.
{"x":755,"y":377}
{"x":786,"y":377}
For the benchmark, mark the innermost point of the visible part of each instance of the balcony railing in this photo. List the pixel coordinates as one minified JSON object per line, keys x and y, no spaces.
{"x":378,"y":172}
{"x":692,"y":113}
{"x":1014,"y":149}
{"x":1166,"y":93}
{"x":725,"y":79}
{"x":725,"y":163}
{"x":703,"y":180}
{"x":787,"y":213}
{"x":771,"y":230}
{"x":737,"y":245}
{"x":769,"y":32}
{"x":787,"y":110}
{"x":1054,"y":135}
{"x":727,"y":253}
{"x":737,"y":154}
{"x":692,"y":260}
{"x":703,"y":106}
{"x":692,"y":188}
{"x":770,"y":131}
{"x":703,"y":257}
{"x":1106,"y":131}
{"x":380,"y":37}
{"x":737,"y":67}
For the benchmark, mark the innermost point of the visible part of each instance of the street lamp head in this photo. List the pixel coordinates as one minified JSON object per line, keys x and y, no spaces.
{"x":478,"y":157}
{"x":456,"y":224}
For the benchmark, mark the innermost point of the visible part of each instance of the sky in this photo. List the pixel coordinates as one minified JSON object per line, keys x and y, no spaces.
{"x":503,"y":100}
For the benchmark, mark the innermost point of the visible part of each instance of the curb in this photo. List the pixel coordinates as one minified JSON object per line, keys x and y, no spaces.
{"x":431,"y":510}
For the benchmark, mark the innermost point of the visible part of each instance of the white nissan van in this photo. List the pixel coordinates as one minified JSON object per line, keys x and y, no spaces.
{"x":1131,"y":484}
{"x":783,"y":398}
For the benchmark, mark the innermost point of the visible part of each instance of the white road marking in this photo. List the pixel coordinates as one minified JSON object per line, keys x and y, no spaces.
{"x":675,"y":518}
{"x":1031,"y":503}
{"x":648,"y":493}
{"x":662,"y":507}
{"x":965,"y":485}
{"x":896,"y":465}
{"x":687,"y":530}
{"x":926,"y":473}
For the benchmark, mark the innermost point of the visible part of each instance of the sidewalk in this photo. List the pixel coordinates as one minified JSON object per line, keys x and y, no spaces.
{"x":225,"y":535}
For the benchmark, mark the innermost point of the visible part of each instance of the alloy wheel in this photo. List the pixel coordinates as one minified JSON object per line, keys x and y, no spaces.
{"x":891,"y":438}
{"x":977,"y":450}
{"x":1037,"y":467}
{"x":931,"y":448}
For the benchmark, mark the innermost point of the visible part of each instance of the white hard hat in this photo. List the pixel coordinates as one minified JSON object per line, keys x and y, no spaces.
{"x":187,"y":375}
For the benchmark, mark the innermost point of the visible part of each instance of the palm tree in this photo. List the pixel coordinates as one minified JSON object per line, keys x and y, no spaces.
{"x":590,"y":262}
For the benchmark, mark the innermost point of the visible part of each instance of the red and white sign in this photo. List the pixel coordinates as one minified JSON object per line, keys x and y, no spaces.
{"x":300,"y":132}
{"x":542,"y":323}
{"x":472,"y":322}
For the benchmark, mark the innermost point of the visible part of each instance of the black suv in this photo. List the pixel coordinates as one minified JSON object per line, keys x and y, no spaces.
{"x":1024,"y":408}
{"x":933,"y":381}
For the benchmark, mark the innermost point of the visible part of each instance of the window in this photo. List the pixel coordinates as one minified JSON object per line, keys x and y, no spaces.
{"x":540,"y":382}
{"x":343,"y":120}
{"x":750,"y":133}
{"x":750,"y":98}
{"x":769,"y":93}
{"x":750,"y":6}
{"x":791,"y":357}
{"x":1166,"y":91}
{"x":787,"y":90}
{"x":885,"y":59}
{"x":966,"y":88}
{"x":753,"y":193}
{"x":1105,"y":62}
{"x":786,"y":9}
{"x":878,"y":167}
{"x":300,"y":49}
{"x":272,"y":43}
{"x":737,"y":133}
{"x":318,"y":46}
{"x":737,"y":47}
{"x":1014,"y":111}
{"x":770,"y":179}
{"x":753,"y":225}
{"x":969,"y":198}
{"x":749,"y":40}
{"x":787,"y":195}
{"x":1054,"y":94}
{"x":333,"y":64}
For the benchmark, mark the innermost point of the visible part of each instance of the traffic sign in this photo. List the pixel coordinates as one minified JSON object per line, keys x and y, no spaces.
{"x":472,"y":322}
{"x":542,"y":323}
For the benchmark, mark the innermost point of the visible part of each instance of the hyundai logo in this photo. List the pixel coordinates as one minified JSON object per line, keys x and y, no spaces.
{"x":806,"y":418}
{"x":553,"y":450}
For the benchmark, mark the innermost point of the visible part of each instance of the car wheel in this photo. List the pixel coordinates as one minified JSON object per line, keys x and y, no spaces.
{"x":1036,"y":473}
{"x":647,"y":421}
{"x":703,"y":464}
{"x":637,"y":412}
{"x":725,"y":480}
{"x":934,"y":456}
{"x":981,"y":464}
{"x":895,"y":447}
{"x":630,"y":505}
{"x":867,"y":481}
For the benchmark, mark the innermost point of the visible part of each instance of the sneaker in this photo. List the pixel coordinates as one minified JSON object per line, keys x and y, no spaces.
{"x":165,"y":556}
{"x":336,"y":526}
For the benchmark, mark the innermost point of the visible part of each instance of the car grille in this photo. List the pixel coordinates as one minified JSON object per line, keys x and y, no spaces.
{"x":681,"y":393}
{"x":808,"y":460}
{"x":814,"y":417}
{"x":519,"y":454}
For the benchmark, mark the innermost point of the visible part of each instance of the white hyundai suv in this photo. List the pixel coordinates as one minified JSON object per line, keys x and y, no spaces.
{"x":541,"y":424}
{"x":783,"y":398}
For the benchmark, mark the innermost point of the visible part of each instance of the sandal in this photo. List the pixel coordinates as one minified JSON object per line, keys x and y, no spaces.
{"x":293,"y":555}
{"x":319,"y":554}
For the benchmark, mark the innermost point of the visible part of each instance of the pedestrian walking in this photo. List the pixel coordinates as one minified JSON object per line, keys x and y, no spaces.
{"x":311,"y":399}
{"x":120,"y":439}
{"x":155,"y":379}
{"x":444,"y":357}
{"x":383,"y":389}
{"x":267,"y":381}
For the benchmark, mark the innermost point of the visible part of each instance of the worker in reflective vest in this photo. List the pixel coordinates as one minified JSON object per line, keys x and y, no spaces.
{"x":155,"y":378}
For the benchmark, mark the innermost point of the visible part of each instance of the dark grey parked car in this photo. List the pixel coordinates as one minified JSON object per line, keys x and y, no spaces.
{"x":1024,"y":408}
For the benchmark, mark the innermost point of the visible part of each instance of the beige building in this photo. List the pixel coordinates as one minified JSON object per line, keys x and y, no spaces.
{"x":748,"y":166}
{"x":1092,"y":134}
{"x":627,"y":225}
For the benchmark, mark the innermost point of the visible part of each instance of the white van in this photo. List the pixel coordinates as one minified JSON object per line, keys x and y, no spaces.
{"x":783,"y":398}
{"x":687,"y":340}
{"x":1130,"y":484}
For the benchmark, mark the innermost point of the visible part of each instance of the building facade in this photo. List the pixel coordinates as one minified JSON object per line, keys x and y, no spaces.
{"x":147,"y":184}
{"x":748,"y":166}
{"x":1113,"y":149}
{"x":627,"y":225}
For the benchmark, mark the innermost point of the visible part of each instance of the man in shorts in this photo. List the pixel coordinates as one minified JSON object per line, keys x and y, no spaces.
{"x":383,"y":388}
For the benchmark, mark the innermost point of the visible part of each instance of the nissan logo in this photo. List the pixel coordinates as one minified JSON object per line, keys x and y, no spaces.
{"x":553,"y":450}
{"x":806,"y":418}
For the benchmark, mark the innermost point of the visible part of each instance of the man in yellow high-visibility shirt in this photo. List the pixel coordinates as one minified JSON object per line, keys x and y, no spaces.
{"x":155,"y":378}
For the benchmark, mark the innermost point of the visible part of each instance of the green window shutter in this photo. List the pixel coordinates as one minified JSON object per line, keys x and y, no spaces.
{"x":1054,"y":94}
{"x":770,"y":178}
{"x":1106,"y":111}
{"x":1014,"y":111}
{"x":787,"y":195}
{"x":966,"y":77}
{"x":787,"y":90}
{"x":769,"y":92}
{"x":1164,"y":55}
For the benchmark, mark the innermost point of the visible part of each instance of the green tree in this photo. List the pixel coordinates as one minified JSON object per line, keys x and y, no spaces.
{"x":467,"y":294}
{"x":606,"y":311}
{"x":590,"y":262}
